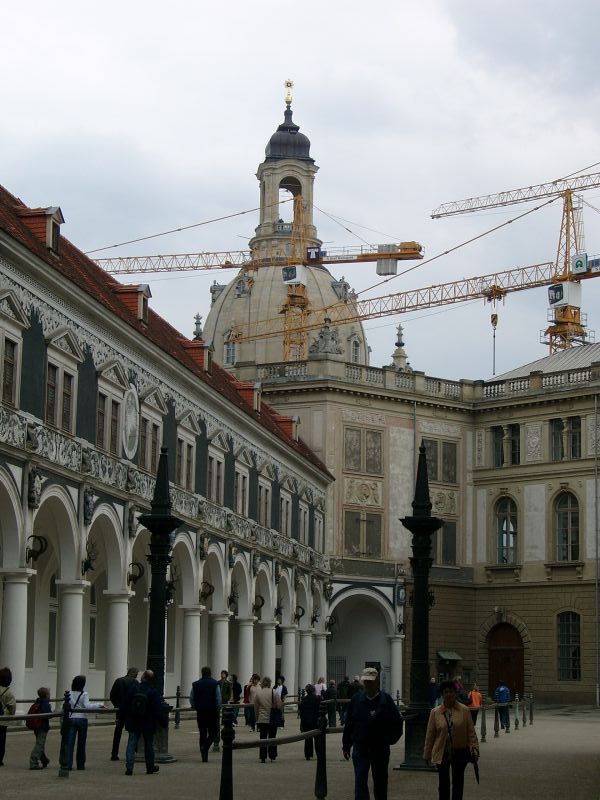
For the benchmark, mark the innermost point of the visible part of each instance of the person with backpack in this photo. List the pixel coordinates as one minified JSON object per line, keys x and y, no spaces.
{"x":502,"y":698}
{"x":330,"y":694}
{"x":373,"y":723}
{"x":8,"y":706}
{"x":205,"y":698}
{"x":142,"y":710}
{"x":120,"y":689}
{"x":308,"y":711}
{"x":40,"y":727}
{"x":78,"y":700}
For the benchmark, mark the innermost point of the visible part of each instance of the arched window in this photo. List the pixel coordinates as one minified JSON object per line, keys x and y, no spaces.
{"x":230,"y":354}
{"x":569,"y":646}
{"x":566,"y":515}
{"x":506,"y":530}
{"x":355,"y":351}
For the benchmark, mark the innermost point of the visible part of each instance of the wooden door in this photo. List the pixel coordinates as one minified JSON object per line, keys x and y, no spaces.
{"x":505,"y":659}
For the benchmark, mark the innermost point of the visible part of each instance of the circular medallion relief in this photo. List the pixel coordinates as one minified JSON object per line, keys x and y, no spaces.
{"x":131,"y":422}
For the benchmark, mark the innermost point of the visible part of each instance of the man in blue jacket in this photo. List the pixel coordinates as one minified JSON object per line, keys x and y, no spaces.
{"x":205,"y":697}
{"x":373,"y":723}
{"x":502,"y":697}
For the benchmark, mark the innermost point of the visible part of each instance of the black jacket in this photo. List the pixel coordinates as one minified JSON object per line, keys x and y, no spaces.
{"x":154,"y":714}
{"x":120,"y":689}
{"x":372,"y":723}
{"x":309,"y":712}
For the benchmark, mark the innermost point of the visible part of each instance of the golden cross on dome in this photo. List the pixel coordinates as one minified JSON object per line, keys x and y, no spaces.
{"x":288,"y":85}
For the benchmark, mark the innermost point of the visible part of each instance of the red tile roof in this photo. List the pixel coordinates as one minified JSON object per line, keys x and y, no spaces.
{"x":88,"y":276}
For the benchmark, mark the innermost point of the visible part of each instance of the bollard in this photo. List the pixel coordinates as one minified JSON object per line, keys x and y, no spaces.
{"x":524,"y":720}
{"x":517,"y":711}
{"x":507,"y":718}
{"x":63,"y":758}
{"x":397,"y":698}
{"x":483,"y":725}
{"x":227,"y":737}
{"x":496,"y":722}
{"x":321,"y":751}
{"x":177,"y":707}
{"x":531,"y":708}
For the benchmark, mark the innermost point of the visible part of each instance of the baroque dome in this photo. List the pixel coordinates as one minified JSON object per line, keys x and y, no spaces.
{"x":288,"y":142}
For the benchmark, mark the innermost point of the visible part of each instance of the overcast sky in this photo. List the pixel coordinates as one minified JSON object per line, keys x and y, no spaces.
{"x":140,"y":117}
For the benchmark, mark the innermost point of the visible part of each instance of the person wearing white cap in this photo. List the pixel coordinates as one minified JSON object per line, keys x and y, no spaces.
{"x":373,"y":723}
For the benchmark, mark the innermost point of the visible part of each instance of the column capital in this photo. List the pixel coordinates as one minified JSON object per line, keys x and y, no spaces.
{"x":73,"y":587}
{"x":246,"y":621}
{"x":122,"y":595}
{"x":268,"y":624}
{"x":220,"y":616}
{"x":304,"y":633}
{"x":17,"y":575}
{"x":288,"y":628}
{"x":192,"y":611}
{"x":397,"y":637}
{"x":320,"y":635}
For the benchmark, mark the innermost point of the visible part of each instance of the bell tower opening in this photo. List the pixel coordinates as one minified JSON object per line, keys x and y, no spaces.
{"x":289,"y":187}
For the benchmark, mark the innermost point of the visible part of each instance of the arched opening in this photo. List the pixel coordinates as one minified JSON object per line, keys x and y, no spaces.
{"x":505,"y":658}
{"x":288,"y":186}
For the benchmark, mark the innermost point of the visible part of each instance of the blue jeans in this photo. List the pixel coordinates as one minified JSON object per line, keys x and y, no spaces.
{"x":132,"y":744}
{"x":376,"y":759}
{"x":78,"y":728}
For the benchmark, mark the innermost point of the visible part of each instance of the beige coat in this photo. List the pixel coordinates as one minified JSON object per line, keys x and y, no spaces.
{"x":463,"y":732}
{"x":264,"y":701}
{"x":9,"y":704}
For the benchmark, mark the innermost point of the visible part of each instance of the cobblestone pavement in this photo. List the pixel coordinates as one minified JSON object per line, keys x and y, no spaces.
{"x":559,"y":757}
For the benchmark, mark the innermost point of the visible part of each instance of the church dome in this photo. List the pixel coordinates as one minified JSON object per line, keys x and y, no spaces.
{"x":288,"y":142}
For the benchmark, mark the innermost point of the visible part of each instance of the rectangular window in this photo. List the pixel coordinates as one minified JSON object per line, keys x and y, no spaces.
{"x":144,"y":443}
{"x":51,"y":389}
{"x":431,"y":456}
{"x":556,"y":440}
{"x":449,"y":462}
{"x":497,"y":446}
{"x":240,"y":492}
{"x":363,"y":451}
{"x":114,"y":428}
{"x":352,"y":450}
{"x":67,"y":401}
{"x":219,"y":482}
{"x":514,"y":434}
{"x":244,"y":506}
{"x":363,"y":534}
{"x":101,"y":420}
{"x":179,"y":463}
{"x":8,"y":376}
{"x":189,"y":468}
{"x":449,"y":544}
{"x":92,"y":642}
{"x":373,"y":455}
{"x":154,"y":448}
{"x":574,"y":437}
{"x":569,"y":647}
{"x":264,"y":505}
{"x":210,"y":477}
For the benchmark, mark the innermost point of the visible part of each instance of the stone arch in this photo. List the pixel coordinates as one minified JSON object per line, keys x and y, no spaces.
{"x":56,"y":520}
{"x":184,"y":559}
{"x":318,"y":606}
{"x":12,"y":546}
{"x":263,"y":586}
{"x":138,"y":605}
{"x":106,"y":533}
{"x":240,"y":576}
{"x":214,"y":573}
{"x":302,"y":599}
{"x":285,"y":598}
{"x":482,"y":648}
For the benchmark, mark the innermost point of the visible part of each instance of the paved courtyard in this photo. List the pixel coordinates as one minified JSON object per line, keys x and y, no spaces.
{"x":559,"y":757}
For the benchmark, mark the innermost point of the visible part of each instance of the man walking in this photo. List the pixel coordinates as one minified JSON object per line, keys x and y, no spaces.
{"x":502,"y":697}
{"x":120,"y":689}
{"x":205,"y":698}
{"x":142,"y":711}
{"x":373,"y":723}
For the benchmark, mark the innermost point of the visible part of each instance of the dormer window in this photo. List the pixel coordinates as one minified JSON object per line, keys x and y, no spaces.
{"x":135,"y":297}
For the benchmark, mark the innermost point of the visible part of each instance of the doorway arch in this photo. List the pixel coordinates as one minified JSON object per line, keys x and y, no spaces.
{"x":506,"y":658}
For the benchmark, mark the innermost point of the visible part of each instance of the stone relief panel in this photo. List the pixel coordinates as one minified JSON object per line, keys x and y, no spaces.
{"x":363,"y":417}
{"x":480,"y":448}
{"x":444,"y":502}
{"x":533,"y":441}
{"x":439,"y":428}
{"x":593,"y":433}
{"x":362,"y":492}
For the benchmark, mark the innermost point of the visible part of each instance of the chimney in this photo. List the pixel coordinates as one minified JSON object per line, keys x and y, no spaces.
{"x":199,"y":352}
{"x":252,"y":394}
{"x":290,"y":426}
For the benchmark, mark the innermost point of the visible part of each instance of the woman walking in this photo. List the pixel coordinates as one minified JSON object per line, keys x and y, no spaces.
{"x":266,"y":699}
{"x":475,"y":701}
{"x":450,"y":742}
{"x":309,"y":717}
{"x":78,"y":722}
{"x":8,"y":706}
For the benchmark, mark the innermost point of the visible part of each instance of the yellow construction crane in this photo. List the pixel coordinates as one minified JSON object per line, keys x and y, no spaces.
{"x":566,"y":328}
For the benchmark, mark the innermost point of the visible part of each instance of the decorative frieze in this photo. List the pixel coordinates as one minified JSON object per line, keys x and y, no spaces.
{"x":480,"y":448}
{"x":362,"y":492}
{"x":363,"y":417}
{"x":439,"y":428}
{"x":444,"y":502}
{"x":533,"y":441}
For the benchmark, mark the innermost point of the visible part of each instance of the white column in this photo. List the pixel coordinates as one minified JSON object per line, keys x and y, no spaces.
{"x":117,"y":637}
{"x":70,"y":623}
{"x":219,"y":642}
{"x":305,"y":673}
{"x":267,"y":663}
{"x":320,"y":645}
{"x":190,"y":648}
{"x":396,"y":665}
{"x":245,"y":665}
{"x":13,"y":636}
{"x":289,"y":664}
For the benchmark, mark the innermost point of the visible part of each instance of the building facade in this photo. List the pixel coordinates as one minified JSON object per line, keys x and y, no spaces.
{"x":93,"y":384}
{"x":512,"y":471}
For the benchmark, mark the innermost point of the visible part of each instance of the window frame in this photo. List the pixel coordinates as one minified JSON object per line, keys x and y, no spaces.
{"x":263,"y":505}
{"x":12,"y":324}
{"x":438,"y":542}
{"x":568,"y":645}
{"x":509,"y":516}
{"x":436,"y":469}
{"x":241,"y":482}
{"x":363,"y":458}
{"x":362,"y":515}
{"x":570,"y":542}
{"x":214,"y":483}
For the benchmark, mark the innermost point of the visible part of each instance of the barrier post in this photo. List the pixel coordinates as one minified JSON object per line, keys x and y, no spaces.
{"x":63,"y":758}
{"x":483,"y":724}
{"x":321,"y":750}
{"x":524,"y":720}
{"x":496,"y":722}
{"x":517,"y":711}
{"x":177,"y":707}
{"x":227,"y":737}
{"x":531,"y":708}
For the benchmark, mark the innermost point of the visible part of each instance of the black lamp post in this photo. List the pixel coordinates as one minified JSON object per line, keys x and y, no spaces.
{"x":161,"y":524}
{"x":422,"y":525}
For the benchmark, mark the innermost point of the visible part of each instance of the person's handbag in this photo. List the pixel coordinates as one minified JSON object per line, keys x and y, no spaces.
{"x":276,"y":715}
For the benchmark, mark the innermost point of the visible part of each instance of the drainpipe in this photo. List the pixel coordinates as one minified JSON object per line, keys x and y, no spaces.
{"x":597,"y":514}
